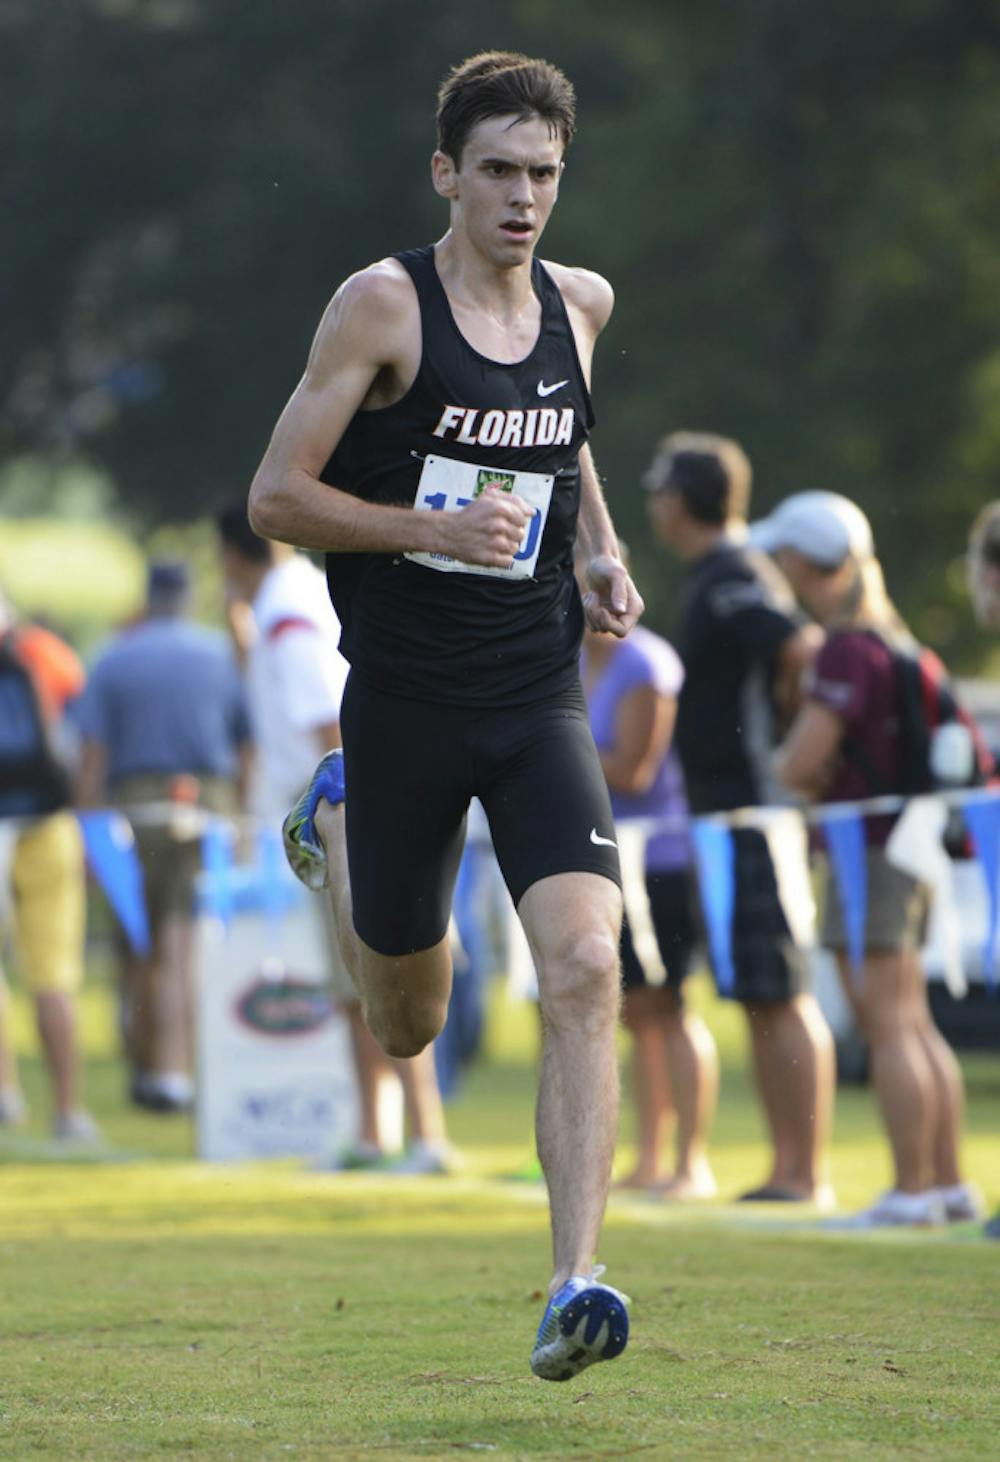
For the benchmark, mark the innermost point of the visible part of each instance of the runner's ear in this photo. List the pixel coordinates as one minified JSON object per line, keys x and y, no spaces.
{"x":443,"y":172}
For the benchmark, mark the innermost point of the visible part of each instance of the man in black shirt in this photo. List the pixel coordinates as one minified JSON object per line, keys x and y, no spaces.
{"x":744,"y":655}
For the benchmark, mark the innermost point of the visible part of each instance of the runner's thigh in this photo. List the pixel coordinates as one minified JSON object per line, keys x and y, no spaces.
{"x":407,"y":789}
{"x":540,"y":780}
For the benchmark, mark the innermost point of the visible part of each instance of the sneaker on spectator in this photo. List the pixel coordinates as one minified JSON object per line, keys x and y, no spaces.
{"x":963,"y":1203}
{"x":359,"y":1157}
{"x":13,"y":1107}
{"x":424,"y":1159}
{"x":172,"y":1091}
{"x":76,"y":1129}
{"x":899,"y":1210}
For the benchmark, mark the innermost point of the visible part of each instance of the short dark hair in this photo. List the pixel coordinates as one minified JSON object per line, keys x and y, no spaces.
{"x":712,"y":475}
{"x":168,"y":586}
{"x":498,"y":84}
{"x":234,"y":529}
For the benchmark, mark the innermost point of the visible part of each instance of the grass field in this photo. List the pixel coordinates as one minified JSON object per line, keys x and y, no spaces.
{"x":154,"y":1307}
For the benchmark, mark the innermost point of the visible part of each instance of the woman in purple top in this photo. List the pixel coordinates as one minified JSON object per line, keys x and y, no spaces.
{"x":846,"y":737}
{"x":631,"y":687}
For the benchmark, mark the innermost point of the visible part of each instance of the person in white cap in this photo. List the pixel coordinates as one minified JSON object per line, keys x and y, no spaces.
{"x":845,"y":744}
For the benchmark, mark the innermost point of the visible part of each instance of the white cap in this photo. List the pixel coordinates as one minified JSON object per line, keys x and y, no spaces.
{"x":823,"y":526}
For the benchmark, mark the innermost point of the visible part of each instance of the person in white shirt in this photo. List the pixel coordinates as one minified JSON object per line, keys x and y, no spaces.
{"x":287,"y":634}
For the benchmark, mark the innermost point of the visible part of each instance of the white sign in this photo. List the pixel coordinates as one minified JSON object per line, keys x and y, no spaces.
{"x":275,"y":1071}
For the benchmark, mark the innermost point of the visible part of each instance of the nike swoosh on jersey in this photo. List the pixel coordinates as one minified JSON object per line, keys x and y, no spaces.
{"x":544,"y":390}
{"x":595,"y":837}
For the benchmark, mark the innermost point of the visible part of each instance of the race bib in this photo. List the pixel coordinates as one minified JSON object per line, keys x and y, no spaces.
{"x":447,"y":486}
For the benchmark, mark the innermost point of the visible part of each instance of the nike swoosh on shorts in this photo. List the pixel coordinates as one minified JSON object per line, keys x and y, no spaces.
{"x":595,"y":837}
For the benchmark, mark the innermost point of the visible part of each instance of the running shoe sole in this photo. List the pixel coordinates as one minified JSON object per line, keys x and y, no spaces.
{"x":592,"y":1327}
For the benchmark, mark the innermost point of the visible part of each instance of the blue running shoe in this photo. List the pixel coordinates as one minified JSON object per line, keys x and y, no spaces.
{"x":583,"y":1322}
{"x":303,"y":849}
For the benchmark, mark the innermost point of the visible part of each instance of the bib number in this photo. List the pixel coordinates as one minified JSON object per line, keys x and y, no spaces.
{"x":448,"y":486}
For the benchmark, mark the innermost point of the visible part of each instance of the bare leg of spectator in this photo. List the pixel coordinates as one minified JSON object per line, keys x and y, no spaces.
{"x":175,"y":997}
{"x":12,"y":1106}
{"x":891,"y":1006}
{"x":422,"y":1096}
{"x":950,"y":1099}
{"x":642,"y":1015}
{"x":370,"y":1062}
{"x":693,"y":1064}
{"x":794,"y":1066}
{"x":56,"y":1017}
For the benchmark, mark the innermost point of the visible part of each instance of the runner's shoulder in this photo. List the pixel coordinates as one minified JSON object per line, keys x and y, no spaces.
{"x":370,"y":307}
{"x":584,"y":290}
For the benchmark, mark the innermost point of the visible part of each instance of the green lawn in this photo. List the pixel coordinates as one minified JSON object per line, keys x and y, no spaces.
{"x":154,"y":1307}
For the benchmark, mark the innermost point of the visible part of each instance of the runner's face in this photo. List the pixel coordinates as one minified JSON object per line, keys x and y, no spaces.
{"x":506,"y":187}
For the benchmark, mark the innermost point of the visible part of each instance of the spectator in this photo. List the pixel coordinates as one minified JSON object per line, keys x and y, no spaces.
{"x":744,"y":655}
{"x":984,"y":586}
{"x":165,"y":730}
{"x":845,"y":745}
{"x":631,"y":688}
{"x":984,"y":566}
{"x":288,"y":633}
{"x":39,"y":674}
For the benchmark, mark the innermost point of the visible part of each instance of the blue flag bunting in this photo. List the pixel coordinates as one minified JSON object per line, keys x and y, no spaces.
{"x":845,"y":841}
{"x":713,"y":850}
{"x":982,"y":818}
{"x":112,"y":858}
{"x":216,"y":884}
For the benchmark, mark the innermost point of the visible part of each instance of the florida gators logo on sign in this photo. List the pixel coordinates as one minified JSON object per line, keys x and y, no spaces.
{"x":283,"y":1007}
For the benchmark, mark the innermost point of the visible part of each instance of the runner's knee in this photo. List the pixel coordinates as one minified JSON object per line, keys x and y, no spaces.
{"x":404,"y":1028}
{"x":580,"y":980}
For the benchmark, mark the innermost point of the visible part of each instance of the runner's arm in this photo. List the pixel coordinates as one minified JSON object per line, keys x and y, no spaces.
{"x":361,"y":334}
{"x":612,"y":603}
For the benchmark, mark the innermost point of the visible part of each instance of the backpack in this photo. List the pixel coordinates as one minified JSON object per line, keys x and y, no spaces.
{"x":32,"y":779}
{"x":927,"y":701}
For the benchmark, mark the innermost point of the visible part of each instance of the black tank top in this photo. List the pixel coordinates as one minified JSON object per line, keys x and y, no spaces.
{"x":463,"y":637}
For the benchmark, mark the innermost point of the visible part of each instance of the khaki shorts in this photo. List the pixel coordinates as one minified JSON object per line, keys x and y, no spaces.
{"x":170,"y":858}
{"x":898,"y":908}
{"x":50,"y":917}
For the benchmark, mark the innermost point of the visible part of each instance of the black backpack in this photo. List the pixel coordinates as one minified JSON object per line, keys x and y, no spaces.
{"x":32,"y":779}
{"x":927,"y":700}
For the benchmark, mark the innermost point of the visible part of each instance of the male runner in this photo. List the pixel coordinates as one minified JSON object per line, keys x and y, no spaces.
{"x":436,"y":448}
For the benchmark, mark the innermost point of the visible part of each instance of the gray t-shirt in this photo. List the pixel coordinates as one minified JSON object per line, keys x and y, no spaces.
{"x":166,"y":697}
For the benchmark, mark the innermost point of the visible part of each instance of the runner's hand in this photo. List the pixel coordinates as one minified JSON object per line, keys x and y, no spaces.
{"x":489,"y":531}
{"x":611,"y":602}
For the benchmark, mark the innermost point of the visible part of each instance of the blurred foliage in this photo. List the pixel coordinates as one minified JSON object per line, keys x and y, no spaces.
{"x":79,"y":578}
{"x":797,"y":203}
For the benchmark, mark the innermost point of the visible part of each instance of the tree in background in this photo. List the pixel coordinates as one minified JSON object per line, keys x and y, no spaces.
{"x":797,"y":204}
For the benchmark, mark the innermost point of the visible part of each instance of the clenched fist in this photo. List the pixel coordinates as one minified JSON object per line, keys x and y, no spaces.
{"x":611,"y":601}
{"x":489,"y":531}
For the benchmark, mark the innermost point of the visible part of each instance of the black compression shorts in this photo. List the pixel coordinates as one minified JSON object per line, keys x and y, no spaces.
{"x":411,"y":769}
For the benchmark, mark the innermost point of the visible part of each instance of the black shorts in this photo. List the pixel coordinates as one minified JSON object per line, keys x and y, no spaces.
{"x":672,"y":915}
{"x":770,"y":967}
{"x":412,"y":767}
